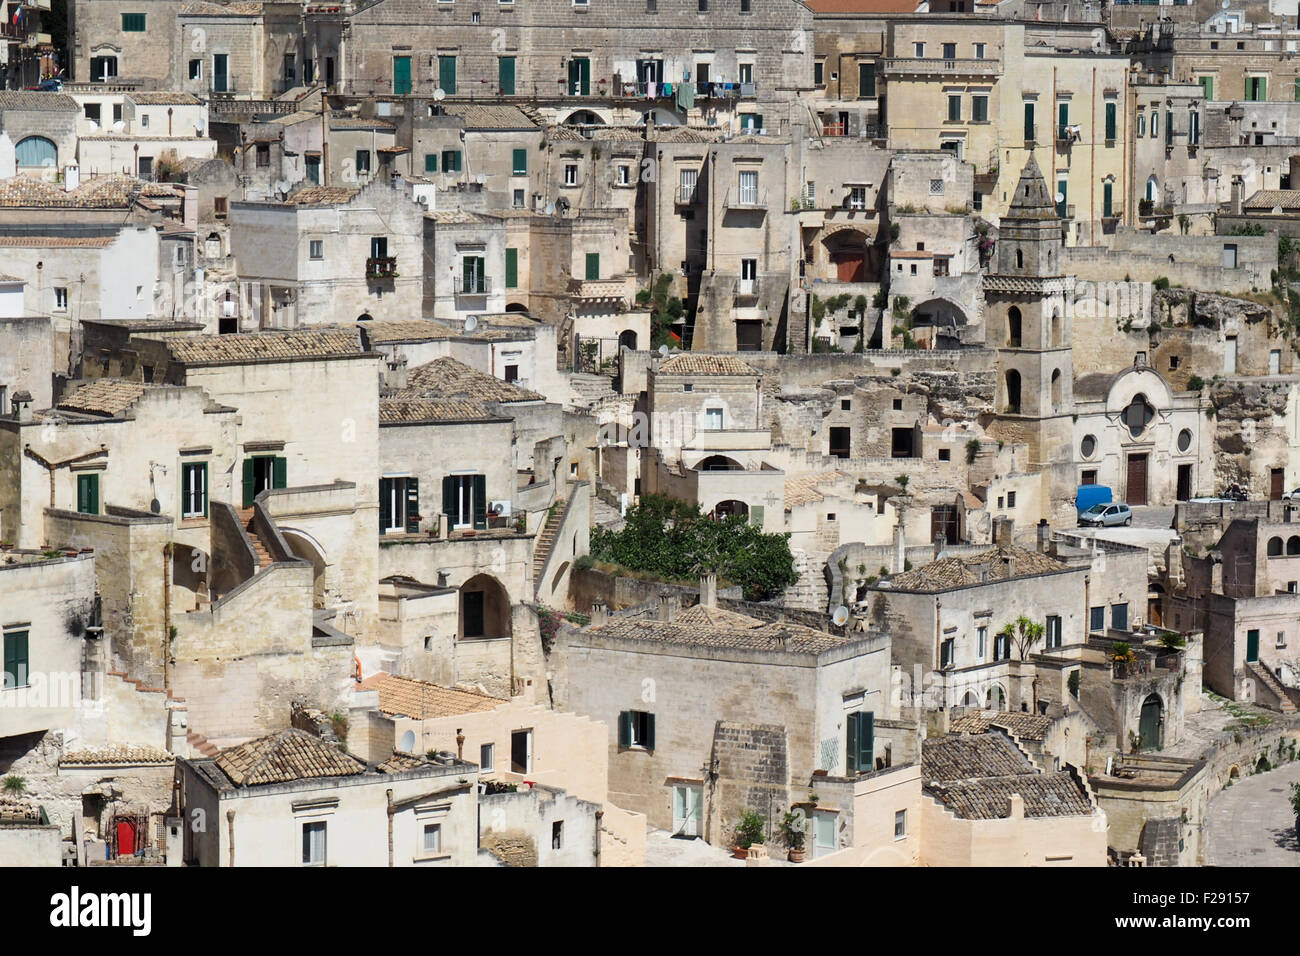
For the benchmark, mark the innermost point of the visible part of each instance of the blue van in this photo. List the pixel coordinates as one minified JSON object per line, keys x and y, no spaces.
{"x":1089,"y":495}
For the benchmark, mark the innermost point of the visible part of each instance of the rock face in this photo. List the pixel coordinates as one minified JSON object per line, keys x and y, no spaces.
{"x":1250,"y":433}
{"x":1187,"y":307}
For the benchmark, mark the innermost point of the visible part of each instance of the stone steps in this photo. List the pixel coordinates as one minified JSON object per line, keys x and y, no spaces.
{"x":259,"y":546}
{"x":1265,"y":676}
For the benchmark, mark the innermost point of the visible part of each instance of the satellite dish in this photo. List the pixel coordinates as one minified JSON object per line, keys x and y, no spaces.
{"x":663,"y":350}
{"x":1060,"y":197}
{"x":1226,"y":4}
{"x":471,"y":323}
{"x":840,"y":616}
{"x":440,"y":94}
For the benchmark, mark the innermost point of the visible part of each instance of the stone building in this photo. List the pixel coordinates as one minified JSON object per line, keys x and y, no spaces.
{"x":43,"y":129}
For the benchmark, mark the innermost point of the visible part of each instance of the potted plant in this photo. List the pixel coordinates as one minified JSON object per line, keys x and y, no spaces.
{"x":748,"y":832}
{"x":794,"y":827}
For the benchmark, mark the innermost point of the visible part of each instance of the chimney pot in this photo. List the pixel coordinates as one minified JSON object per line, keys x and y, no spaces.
{"x":598,"y":612}
{"x":709,"y":590}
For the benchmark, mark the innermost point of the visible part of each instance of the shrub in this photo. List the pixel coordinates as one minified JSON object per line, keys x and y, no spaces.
{"x":1172,"y":641}
{"x":1195,"y":383}
{"x":1160,"y":283}
{"x":15,"y":784}
{"x":749,"y":830}
{"x":972,"y":450}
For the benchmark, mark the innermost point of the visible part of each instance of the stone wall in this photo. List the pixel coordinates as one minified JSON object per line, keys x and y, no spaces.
{"x":753,"y":775}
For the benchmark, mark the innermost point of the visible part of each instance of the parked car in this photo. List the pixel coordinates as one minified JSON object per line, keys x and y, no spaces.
{"x":1292,"y":495}
{"x":1105,"y":515}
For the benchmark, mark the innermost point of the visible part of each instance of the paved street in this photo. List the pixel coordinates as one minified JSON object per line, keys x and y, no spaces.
{"x":662,"y":849}
{"x":1251,"y":823}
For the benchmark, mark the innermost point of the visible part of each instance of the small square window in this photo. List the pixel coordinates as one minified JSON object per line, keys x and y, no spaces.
{"x":196,"y":69}
{"x":898,"y":404}
{"x":900,"y":824}
{"x":1011,"y":499}
{"x":704,"y":6}
{"x":624,"y":175}
{"x":60,"y":298}
{"x":487,"y":758}
{"x":830,"y":516}
{"x":688,"y":387}
{"x":845,"y":404}
{"x":945,"y":454}
{"x":316,"y":248}
{"x":432,"y":838}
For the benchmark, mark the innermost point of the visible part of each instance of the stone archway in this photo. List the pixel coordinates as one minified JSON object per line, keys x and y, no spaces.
{"x":843,"y":253}
{"x":307,"y":548}
{"x":484,"y":610}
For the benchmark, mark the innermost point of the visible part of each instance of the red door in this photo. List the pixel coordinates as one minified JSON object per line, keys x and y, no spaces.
{"x":1136,"y":492}
{"x":849,"y":266}
{"x":125,"y":838}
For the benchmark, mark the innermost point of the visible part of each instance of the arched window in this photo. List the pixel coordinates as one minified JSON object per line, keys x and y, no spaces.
{"x":1293,"y":544}
{"x":1056,"y":327}
{"x":1020,"y":259}
{"x":1013,"y":391}
{"x":1013,"y":327}
{"x":37,"y":151}
{"x":1152,"y":189}
{"x":1138,"y":415}
{"x":627,"y":339}
{"x":1056,"y":388}
{"x":1274,"y":547}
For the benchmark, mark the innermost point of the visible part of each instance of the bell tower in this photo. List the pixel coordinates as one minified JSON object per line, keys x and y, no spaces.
{"x":1027,"y":318}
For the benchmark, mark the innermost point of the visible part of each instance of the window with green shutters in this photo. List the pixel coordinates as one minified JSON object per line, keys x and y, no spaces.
{"x":593,"y":265}
{"x":133,"y":23}
{"x":512,"y":268}
{"x":979,"y":109}
{"x":1111,"y":118}
{"x":506,"y":75}
{"x":1029,"y":123}
{"x":88,"y":494}
{"x":399,"y":505}
{"x":430,"y":162}
{"x":447,"y":74}
{"x":1207,"y":85}
{"x":464,"y":501}
{"x":1256,"y":88}
{"x":194,"y":490}
{"x":636,"y":729}
{"x":519,"y":162}
{"x":262,"y":472}
{"x":954,"y":107}
{"x":1107,"y":200}
{"x":860,"y":756}
{"x":1062,"y":204}
{"x":1062,"y":120}
{"x":451,"y":160}
{"x":866,"y":80}
{"x":472,"y":278}
{"x":16,"y":661}
{"x":401,"y":75}
{"x":579,"y":76}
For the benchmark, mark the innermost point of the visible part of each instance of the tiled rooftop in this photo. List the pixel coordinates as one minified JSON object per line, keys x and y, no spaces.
{"x":164,"y":98}
{"x":412,"y":411}
{"x":1024,"y":726}
{"x":968,"y":569}
{"x":447,"y":378}
{"x":36,"y":100}
{"x":322,"y":195}
{"x":1266,"y":199}
{"x":421,"y":700}
{"x":693,"y":363}
{"x":222,"y":9}
{"x":284,"y":757}
{"x":261,"y":346}
{"x":103,"y":396}
{"x":117,"y":755}
{"x":101,"y":192}
{"x":491,"y":116}
{"x":974,"y":775}
{"x":804,"y":488}
{"x":348,"y":121}
{"x":14,"y":810}
{"x":700,"y":626}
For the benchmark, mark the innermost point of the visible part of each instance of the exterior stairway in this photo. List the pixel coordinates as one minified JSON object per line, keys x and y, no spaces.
{"x":546,"y":538}
{"x":200,"y":744}
{"x":1265,"y":677}
{"x":259,"y":546}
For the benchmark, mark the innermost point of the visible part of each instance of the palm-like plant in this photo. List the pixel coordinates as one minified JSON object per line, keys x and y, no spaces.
{"x":1024,"y":634}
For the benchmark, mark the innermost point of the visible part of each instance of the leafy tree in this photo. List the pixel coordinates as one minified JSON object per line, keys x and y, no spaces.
{"x":1024,"y":634}
{"x":674,"y":540}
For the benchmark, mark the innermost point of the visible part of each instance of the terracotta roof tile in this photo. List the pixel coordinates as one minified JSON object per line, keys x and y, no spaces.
{"x":969,"y":569}
{"x":400,"y":762}
{"x":260,"y":346}
{"x":103,"y":396}
{"x":38,"y":101}
{"x":13,"y":810}
{"x":221,"y":9}
{"x":412,"y":411}
{"x":1266,"y":199}
{"x":1024,"y":726}
{"x":421,"y":699}
{"x":118,"y":755}
{"x":804,"y":489}
{"x":714,"y":627}
{"x":491,"y":116}
{"x":284,"y":757}
{"x":100,"y":192}
{"x":694,"y":363}
{"x":975,"y":775}
{"x":447,"y":378}
{"x":322,"y":195}
{"x":163,"y":98}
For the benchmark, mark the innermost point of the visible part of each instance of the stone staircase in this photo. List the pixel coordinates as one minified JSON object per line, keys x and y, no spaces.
{"x":588,"y":389}
{"x":200,"y":744}
{"x":546,"y":538}
{"x":1265,"y":677}
{"x":259,"y":546}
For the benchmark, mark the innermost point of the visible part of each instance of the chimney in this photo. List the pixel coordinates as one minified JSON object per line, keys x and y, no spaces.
{"x":1174,"y":562}
{"x":23,"y":406}
{"x":1009,"y":563}
{"x":1002,"y":529}
{"x":1235,"y":197}
{"x":668,"y":603}
{"x":940,"y":542}
{"x":1044,"y":535}
{"x":599,"y":615}
{"x":397,"y":372}
{"x":71,"y":177}
{"x":709,"y":590}
{"x":900,"y":548}
{"x":1216,"y":573}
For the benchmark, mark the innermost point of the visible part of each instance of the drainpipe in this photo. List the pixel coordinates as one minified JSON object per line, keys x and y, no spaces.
{"x":600,"y":823}
{"x":167,"y":614}
{"x":389,"y":795}
{"x":230,"y":826}
{"x":169,"y":121}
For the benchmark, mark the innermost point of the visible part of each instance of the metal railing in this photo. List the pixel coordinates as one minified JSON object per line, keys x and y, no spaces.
{"x":381,"y":267}
{"x":942,"y":65}
{"x":473,"y":285}
{"x":739,"y":198}
{"x":687,"y":195}
{"x":747,"y":288}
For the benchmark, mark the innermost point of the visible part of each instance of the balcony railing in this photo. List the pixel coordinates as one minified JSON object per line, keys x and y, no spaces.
{"x":381,"y":267}
{"x":473,"y":285}
{"x":687,"y":195}
{"x":225,"y":84}
{"x":964,"y":67}
{"x":746,"y":289}
{"x":738,"y":198}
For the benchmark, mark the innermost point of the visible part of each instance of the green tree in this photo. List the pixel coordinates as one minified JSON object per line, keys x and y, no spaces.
{"x":1024,"y":634}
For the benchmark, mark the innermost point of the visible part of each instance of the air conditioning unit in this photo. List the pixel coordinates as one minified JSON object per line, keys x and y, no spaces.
{"x":500,"y":509}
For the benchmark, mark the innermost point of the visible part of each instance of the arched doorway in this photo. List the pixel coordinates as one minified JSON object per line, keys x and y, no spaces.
{"x":725,"y":509}
{"x":1013,"y":327}
{"x":36,"y":151}
{"x":516,"y":307}
{"x":365,"y":317}
{"x":850,"y":256}
{"x":970,"y":700}
{"x":484,"y":609}
{"x":719,"y":463}
{"x":305,"y":547}
{"x":1056,"y":389}
{"x":627,"y":340}
{"x":1149,"y":724}
{"x":1155,"y":605}
{"x":995,"y":699}
{"x":583,"y":118}
{"x":1013,"y":392}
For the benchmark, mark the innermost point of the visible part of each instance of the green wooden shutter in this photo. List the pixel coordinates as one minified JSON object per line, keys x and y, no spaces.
{"x":412,"y":505}
{"x":1207,"y":84}
{"x":1110,"y":120}
{"x":93,"y":482}
{"x":203,"y":485}
{"x":625,"y":728}
{"x":81,"y":494}
{"x":519,"y":162}
{"x":593,"y":265}
{"x":851,"y":751}
{"x":385,"y":510}
{"x":480,"y":501}
{"x":756,"y":515}
{"x":584,"y":76}
{"x":449,"y":500}
{"x":512,"y":268}
{"x":506,"y":75}
{"x":650,"y":732}
{"x":1107,"y":199}
{"x":447,"y":74}
{"x":1029,"y":122}
{"x":279,"y":473}
{"x":430,"y":162}
{"x":866,"y":742}
{"x":15,"y":660}
{"x":401,"y":75}
{"x":1062,"y":187}
{"x":248,"y":482}
{"x":1062,"y":117}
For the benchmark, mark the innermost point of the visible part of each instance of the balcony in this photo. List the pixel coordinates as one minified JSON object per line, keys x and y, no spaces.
{"x":1065,"y":211}
{"x":381,"y":267}
{"x":938,"y":66}
{"x":224,"y":84}
{"x":1067,"y":136}
{"x":687,"y":195}
{"x":746,"y":290}
{"x":473,"y":286}
{"x":745,"y":199}
{"x":600,"y":290}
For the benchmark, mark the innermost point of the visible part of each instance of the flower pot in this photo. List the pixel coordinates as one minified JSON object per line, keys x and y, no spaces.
{"x":740,"y":852}
{"x":796,"y":856}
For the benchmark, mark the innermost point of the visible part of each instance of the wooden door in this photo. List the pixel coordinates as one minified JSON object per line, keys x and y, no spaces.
{"x":125,"y":838}
{"x":850,"y":266}
{"x":1275,"y":487}
{"x":1136,"y":490}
